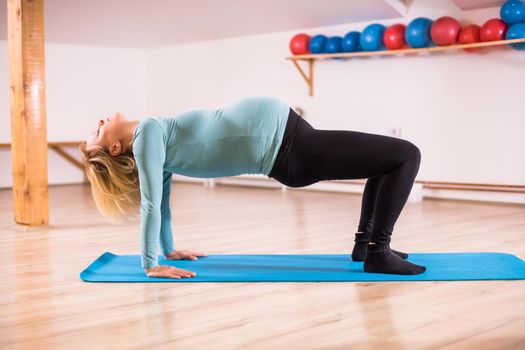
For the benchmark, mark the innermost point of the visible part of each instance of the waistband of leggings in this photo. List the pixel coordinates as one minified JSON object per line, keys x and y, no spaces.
{"x":292,"y":125}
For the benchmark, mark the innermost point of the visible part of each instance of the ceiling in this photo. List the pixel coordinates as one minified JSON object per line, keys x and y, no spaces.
{"x":152,"y":23}
{"x":476,"y":4}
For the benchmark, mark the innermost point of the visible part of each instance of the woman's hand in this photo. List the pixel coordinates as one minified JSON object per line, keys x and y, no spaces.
{"x":184,"y":255}
{"x":169,"y":272}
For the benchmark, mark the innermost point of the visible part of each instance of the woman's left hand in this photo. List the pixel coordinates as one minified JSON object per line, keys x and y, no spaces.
{"x":184,"y":255}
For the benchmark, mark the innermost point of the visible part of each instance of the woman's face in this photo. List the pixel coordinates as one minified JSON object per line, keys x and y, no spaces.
{"x":108,"y":131}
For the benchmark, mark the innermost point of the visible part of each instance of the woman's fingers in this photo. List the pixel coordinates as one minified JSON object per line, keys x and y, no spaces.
{"x":191,"y":256}
{"x":185,"y":254}
{"x":196,"y":255}
{"x":199,"y":254}
{"x":193,"y":252}
{"x":170,"y":272}
{"x":185,"y":273}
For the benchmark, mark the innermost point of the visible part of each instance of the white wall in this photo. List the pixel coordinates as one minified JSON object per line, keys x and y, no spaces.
{"x":464,"y":111}
{"x":83,"y":84}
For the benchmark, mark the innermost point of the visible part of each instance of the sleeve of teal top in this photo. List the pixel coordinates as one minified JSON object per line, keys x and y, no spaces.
{"x":150,"y":156}
{"x":166,"y":236}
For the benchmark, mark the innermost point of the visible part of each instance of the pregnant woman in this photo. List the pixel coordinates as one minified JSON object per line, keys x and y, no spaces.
{"x":130,"y":164}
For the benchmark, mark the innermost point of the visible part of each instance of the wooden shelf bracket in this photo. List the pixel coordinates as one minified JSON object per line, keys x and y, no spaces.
{"x":308,"y":78}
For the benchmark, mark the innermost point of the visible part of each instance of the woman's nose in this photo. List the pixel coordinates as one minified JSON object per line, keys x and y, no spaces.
{"x":101,"y":122}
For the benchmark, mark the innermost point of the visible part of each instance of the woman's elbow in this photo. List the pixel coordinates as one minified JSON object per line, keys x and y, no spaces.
{"x":150,"y":208}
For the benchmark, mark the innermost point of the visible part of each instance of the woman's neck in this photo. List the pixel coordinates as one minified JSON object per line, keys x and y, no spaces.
{"x":129,"y":129}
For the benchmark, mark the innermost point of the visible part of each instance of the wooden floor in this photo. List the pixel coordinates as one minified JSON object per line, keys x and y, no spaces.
{"x":45,"y":305}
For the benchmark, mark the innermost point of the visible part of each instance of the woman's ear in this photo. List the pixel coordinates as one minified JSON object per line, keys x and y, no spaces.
{"x":115,"y":149}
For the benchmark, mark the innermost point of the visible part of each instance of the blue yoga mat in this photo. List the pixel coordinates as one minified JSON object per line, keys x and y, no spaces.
{"x":308,"y":268}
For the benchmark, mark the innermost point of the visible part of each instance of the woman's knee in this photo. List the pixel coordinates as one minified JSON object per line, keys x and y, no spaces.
{"x":414,"y":153}
{"x":410,"y":152}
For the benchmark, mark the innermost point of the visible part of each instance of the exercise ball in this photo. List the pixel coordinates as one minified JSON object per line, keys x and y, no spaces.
{"x":493,"y":29}
{"x":512,"y":11}
{"x":516,"y":31}
{"x":469,"y":35}
{"x":417,"y":34}
{"x":394,"y":37}
{"x":317,"y":43}
{"x":372,"y":37}
{"x":299,"y":44}
{"x":351,"y":42}
{"x":444,"y":31}
{"x":333,"y":44}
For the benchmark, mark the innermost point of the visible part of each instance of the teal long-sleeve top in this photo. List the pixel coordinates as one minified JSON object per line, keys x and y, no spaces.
{"x":242,"y":138}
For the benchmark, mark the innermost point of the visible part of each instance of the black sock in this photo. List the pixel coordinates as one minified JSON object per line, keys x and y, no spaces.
{"x":360,"y":247}
{"x":381,"y":259}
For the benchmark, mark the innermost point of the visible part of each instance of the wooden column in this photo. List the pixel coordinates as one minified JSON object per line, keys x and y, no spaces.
{"x":25,"y":23}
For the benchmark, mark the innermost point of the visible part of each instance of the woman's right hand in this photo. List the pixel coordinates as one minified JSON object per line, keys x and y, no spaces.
{"x":169,"y":272}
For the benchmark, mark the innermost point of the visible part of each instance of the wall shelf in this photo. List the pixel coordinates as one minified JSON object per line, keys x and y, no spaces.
{"x":310,"y":58}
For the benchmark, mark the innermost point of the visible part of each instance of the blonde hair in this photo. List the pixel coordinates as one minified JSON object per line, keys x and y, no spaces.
{"x":114,"y":182}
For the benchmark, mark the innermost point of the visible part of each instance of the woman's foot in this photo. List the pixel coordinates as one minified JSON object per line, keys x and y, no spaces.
{"x":381,"y":259}
{"x":361,"y":242}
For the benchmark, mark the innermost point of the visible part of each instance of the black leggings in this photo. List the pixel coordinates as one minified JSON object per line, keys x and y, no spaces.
{"x":390,"y":164}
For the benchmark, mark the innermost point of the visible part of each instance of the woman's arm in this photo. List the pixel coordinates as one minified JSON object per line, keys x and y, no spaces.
{"x":149,"y":152}
{"x":166,"y":235}
{"x":155,"y":186}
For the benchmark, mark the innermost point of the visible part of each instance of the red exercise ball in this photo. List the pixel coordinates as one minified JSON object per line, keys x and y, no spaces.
{"x":469,"y":35}
{"x":299,"y":45}
{"x":494,"y":29}
{"x":394,"y":37}
{"x":445,"y":31}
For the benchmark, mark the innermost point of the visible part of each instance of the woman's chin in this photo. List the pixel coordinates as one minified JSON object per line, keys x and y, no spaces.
{"x":119,"y":116}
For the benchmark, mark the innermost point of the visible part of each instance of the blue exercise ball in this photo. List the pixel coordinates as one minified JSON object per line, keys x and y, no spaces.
{"x":317,"y":43}
{"x":417,"y":34}
{"x":351,"y":42}
{"x":512,"y":11}
{"x":372,"y":37}
{"x":516,"y":31}
{"x":333,"y":44}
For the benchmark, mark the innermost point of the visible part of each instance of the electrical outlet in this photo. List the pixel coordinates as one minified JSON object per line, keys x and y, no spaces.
{"x":394,"y":131}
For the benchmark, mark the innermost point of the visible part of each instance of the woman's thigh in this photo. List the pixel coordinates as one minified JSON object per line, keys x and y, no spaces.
{"x":318,"y":155}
